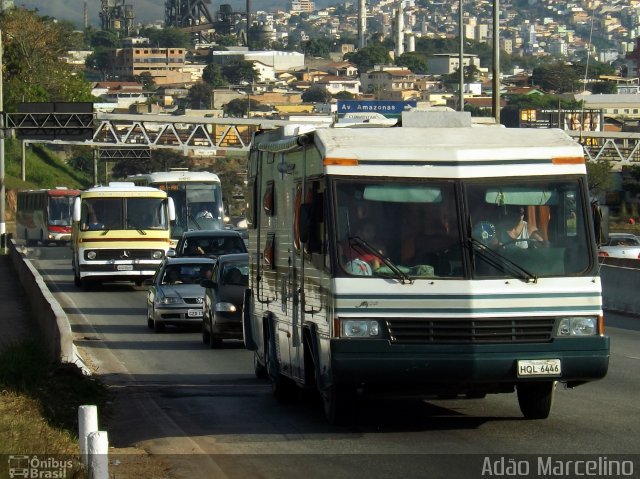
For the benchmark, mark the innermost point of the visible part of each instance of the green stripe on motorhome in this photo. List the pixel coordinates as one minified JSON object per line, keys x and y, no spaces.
{"x":474,"y":297}
{"x":425,"y":309}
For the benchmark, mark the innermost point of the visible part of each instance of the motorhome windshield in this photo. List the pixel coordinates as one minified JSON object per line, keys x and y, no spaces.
{"x":496,"y":228}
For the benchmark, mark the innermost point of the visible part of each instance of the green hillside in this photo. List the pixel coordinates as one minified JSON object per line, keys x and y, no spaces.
{"x":44,"y":169}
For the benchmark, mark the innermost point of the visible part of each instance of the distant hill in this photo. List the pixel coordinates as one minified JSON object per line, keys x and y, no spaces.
{"x":146,"y":11}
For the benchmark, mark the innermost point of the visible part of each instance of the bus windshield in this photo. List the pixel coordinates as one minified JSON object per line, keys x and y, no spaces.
{"x":198,"y":206}
{"x":60,"y":208}
{"x":498,"y":228}
{"x":123,"y":214}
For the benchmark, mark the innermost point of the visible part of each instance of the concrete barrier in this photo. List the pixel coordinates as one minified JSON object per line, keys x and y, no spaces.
{"x":620,"y":280}
{"x":51,"y":318}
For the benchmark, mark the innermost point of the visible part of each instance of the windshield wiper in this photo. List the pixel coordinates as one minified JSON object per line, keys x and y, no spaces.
{"x":501,"y":262}
{"x":195,"y":221}
{"x":360,"y":243}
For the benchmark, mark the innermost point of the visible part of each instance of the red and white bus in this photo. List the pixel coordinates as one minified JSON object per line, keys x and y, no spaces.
{"x":45,"y":215}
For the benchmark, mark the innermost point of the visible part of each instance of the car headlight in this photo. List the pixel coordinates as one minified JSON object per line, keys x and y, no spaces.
{"x":169,"y":300}
{"x":91,"y":255}
{"x":226,"y":308}
{"x":578,"y":326}
{"x":157,"y":254}
{"x":360,"y":328}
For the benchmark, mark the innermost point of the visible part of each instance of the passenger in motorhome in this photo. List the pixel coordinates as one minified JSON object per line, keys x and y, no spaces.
{"x":355,"y":254}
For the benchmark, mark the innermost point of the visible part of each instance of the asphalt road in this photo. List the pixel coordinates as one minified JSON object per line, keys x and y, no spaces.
{"x":206,"y":410}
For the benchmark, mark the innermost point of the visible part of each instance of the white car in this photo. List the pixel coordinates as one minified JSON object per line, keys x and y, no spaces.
{"x":621,"y":245}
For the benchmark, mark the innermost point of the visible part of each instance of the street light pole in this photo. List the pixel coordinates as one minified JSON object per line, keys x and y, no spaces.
{"x":461,"y":58}
{"x":496,"y":61}
{"x":3,"y":228}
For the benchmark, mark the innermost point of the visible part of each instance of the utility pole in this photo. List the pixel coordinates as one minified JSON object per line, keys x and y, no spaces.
{"x":461,"y":59}
{"x":496,"y":61}
{"x":3,"y":227}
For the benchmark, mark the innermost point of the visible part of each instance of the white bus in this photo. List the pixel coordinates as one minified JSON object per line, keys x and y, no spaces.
{"x":385,"y":259}
{"x":197,"y":196}
{"x":45,"y":215}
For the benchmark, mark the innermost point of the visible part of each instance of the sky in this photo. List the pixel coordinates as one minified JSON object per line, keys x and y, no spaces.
{"x":146,"y":11}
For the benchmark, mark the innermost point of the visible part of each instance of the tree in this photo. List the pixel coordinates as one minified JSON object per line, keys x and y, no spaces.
{"x":416,"y":62}
{"x":99,"y":60}
{"x":199,"y":96}
{"x":240,"y":107}
{"x":317,"y":47}
{"x":556,"y":77}
{"x":102,"y":38}
{"x":603,"y":87}
{"x":212,"y":76}
{"x":239,"y":72}
{"x":316,"y":94}
{"x":33,"y":69}
{"x":599,"y":176}
{"x":147,"y":80}
{"x":367,"y":57}
{"x":169,"y":37}
{"x":344,"y":95}
{"x":161,"y":160}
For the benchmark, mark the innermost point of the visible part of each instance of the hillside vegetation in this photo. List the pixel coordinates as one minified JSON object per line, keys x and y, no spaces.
{"x":44,"y":169}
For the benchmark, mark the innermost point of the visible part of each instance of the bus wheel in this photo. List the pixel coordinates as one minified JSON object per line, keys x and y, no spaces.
{"x":338,"y":403}
{"x":535,"y":399}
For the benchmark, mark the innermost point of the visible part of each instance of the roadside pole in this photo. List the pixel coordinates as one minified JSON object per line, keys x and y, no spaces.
{"x":3,"y":227}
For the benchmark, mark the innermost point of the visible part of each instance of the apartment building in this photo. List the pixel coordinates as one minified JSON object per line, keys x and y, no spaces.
{"x":390,"y":83}
{"x":448,"y":63}
{"x":299,"y":6}
{"x":166,"y":65}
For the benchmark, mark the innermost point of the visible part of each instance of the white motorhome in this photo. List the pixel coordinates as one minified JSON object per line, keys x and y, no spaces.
{"x":381,"y":259}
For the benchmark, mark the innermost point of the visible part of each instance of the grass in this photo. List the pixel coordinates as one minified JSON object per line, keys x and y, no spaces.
{"x":43,"y":169}
{"x":39,"y":401}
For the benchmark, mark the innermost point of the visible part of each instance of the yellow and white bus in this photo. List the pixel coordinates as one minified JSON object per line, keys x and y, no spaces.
{"x":197,"y":196}
{"x":120,"y":233}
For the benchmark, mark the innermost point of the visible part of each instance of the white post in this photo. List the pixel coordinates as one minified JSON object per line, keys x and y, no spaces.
{"x":98,"y":445}
{"x":87,"y":423}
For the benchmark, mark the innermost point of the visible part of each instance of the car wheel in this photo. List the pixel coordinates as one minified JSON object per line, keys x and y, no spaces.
{"x":535,"y":399}
{"x":206,"y":335}
{"x":158,"y":327}
{"x":149,"y":317}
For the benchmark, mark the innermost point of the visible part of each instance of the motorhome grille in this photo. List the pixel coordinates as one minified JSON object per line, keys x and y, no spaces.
{"x":510,"y":330}
{"x":122,"y":254}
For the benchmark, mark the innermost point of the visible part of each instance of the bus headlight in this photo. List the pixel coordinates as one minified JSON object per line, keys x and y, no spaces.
{"x":158,"y":254}
{"x":360,"y":328}
{"x":578,"y":326}
{"x":91,"y":255}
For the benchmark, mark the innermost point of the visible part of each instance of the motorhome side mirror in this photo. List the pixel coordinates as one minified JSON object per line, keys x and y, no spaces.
{"x":304,"y":222}
{"x":171,"y":253}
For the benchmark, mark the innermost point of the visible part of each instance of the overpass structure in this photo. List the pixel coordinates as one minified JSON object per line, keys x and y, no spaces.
{"x":121,"y":136}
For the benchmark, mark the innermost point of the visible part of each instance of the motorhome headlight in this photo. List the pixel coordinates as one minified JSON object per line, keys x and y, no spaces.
{"x":158,"y":254}
{"x":169,"y":300}
{"x":226,"y":308}
{"x":578,"y":326}
{"x":360,"y":328}
{"x":91,"y":255}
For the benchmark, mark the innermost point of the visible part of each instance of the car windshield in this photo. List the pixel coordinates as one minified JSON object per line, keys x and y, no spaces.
{"x":185,"y":273}
{"x":235,"y":273}
{"x":495,"y":228}
{"x":212,"y":245}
